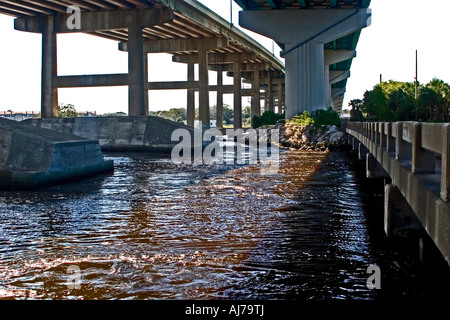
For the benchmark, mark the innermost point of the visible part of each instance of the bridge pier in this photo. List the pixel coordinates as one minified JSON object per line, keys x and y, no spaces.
{"x":373,"y":168}
{"x":137,"y":64}
{"x":399,"y":219}
{"x":190,"y":110}
{"x":306,"y":86}
{"x":49,"y":93}
{"x":256,"y":97}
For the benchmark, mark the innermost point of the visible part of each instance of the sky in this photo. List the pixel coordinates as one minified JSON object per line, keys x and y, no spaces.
{"x":387,"y":47}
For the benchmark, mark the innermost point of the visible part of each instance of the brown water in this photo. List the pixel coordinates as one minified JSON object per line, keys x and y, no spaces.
{"x":156,"y":230}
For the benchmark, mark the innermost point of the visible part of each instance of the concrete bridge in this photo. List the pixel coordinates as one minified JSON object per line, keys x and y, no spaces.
{"x":189,"y":31}
{"x":415,"y":159}
{"x":318,"y":38}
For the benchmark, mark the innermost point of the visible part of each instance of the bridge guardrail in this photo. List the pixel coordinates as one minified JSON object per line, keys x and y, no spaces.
{"x":425,"y":147}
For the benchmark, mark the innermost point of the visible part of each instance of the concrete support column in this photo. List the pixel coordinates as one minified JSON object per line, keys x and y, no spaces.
{"x":256,"y":98}
{"x":328,"y":100}
{"x":305,"y":79}
{"x":399,"y":219}
{"x":49,"y":94}
{"x":237,"y":95}
{"x":270,"y":91}
{"x":362,"y":151}
{"x":219,"y":105}
{"x":374,"y":169}
{"x":280,"y":98}
{"x":137,"y":84}
{"x":423,"y":161}
{"x":204,"y":113}
{"x":190,"y":112}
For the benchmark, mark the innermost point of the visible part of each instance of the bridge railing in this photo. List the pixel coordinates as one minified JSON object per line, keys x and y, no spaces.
{"x":425,"y":147}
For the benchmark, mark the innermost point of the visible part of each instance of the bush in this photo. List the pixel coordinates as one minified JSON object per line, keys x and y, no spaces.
{"x":326,"y":117}
{"x":304,"y":119}
{"x":267,"y":118}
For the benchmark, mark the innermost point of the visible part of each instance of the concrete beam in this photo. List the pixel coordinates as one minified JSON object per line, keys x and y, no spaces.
{"x":98,"y":21}
{"x":94,"y":80}
{"x":336,"y":76}
{"x":216,"y":58}
{"x":336,"y":56}
{"x":335,"y":92}
{"x":318,"y":25}
{"x":177,"y":45}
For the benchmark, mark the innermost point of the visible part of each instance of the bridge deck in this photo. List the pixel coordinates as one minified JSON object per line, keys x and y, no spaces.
{"x":191,"y":20}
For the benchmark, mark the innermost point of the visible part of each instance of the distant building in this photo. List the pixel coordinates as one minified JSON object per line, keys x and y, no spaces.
{"x":18,"y":116}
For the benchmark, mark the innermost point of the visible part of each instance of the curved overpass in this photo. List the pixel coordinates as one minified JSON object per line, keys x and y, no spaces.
{"x":189,"y":31}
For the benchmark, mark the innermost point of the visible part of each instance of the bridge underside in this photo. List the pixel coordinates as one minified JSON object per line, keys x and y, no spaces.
{"x":186,"y":29}
{"x":318,"y":38}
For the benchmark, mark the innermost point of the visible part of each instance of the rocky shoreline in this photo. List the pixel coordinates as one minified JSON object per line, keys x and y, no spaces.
{"x":326,"y":138}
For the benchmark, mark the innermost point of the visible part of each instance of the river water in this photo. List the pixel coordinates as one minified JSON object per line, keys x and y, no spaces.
{"x":156,"y":230}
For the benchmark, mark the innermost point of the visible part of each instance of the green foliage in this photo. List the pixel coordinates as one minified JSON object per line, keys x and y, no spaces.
{"x":356,"y":111}
{"x":304,"y":119}
{"x":67,"y":111}
{"x":318,"y":119}
{"x":174,"y":114}
{"x":326,"y":117}
{"x":396,"y":101}
{"x":267,"y":118}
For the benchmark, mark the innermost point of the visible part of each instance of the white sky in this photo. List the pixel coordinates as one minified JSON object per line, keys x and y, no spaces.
{"x":387,"y":47}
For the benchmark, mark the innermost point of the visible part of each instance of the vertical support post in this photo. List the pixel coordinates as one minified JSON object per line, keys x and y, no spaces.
{"x":390,"y":141}
{"x":190,"y":112}
{"x":402,"y":149}
{"x":237,"y":95}
{"x":146,"y":103}
{"x":270,"y":91}
{"x":423,"y":161}
{"x":136,"y":75}
{"x":399,"y":219}
{"x":204,"y":114}
{"x":49,"y":94}
{"x":445,"y":164}
{"x":280,"y":98}
{"x":219,"y":105}
{"x":256,"y":98}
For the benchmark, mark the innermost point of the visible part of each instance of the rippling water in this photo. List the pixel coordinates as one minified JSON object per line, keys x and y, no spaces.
{"x":156,"y":230}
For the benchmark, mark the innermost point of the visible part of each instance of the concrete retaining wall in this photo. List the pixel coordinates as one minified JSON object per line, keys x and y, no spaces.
{"x":118,"y":133}
{"x":31,"y":157}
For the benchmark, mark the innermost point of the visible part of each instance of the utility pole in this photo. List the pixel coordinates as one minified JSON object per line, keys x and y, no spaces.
{"x":416,"y":79}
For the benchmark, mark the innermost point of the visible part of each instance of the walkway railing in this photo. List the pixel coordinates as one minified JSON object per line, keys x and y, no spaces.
{"x":416,"y":157}
{"x":424,"y":147}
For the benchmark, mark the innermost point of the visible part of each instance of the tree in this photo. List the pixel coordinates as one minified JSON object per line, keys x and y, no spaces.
{"x":376,"y":105}
{"x":67,"y":111}
{"x":402,"y":105}
{"x":355,"y":112}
